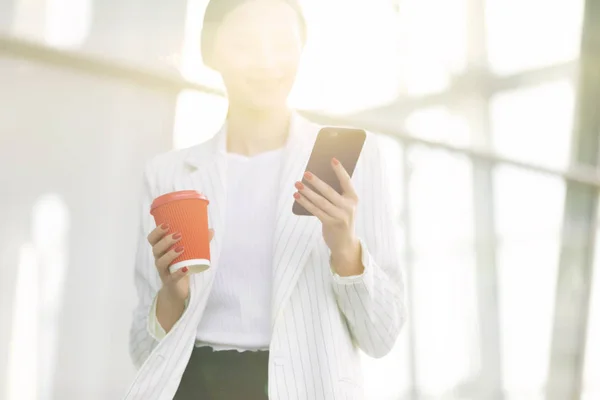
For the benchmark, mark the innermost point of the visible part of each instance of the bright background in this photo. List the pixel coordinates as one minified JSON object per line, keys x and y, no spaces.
{"x":499,"y":251}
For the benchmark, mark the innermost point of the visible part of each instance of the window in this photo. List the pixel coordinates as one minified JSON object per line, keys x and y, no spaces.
{"x":58,"y":23}
{"x":591,"y":377}
{"x":389,"y":378}
{"x":530,"y":34}
{"x":439,"y":124}
{"x":38,"y":301}
{"x":535,"y":124}
{"x":432,"y":44}
{"x":528,"y":219}
{"x":441,"y":222}
{"x":23,"y":380}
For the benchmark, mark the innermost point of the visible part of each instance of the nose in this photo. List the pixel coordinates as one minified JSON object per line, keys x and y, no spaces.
{"x":265,"y":64}
{"x":266,"y":57}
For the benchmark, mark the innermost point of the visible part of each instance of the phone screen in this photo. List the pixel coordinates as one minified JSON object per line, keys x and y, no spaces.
{"x":345,"y":144}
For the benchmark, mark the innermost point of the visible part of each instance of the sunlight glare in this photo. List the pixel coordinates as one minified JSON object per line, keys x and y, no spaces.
{"x":530,"y":34}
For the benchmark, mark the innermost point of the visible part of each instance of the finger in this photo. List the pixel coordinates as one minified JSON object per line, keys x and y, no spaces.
{"x":319,"y":201}
{"x":164,"y":244}
{"x":344,"y":178}
{"x":324,"y":189}
{"x":179,"y":274}
{"x":158,"y":233}
{"x":314,"y":210}
{"x":211,"y":234}
{"x":162,"y":263}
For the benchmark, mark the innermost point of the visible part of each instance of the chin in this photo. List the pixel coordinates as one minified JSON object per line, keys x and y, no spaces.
{"x":264,"y":104}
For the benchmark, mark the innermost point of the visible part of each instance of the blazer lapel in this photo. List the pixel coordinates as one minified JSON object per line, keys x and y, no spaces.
{"x":294,"y":235}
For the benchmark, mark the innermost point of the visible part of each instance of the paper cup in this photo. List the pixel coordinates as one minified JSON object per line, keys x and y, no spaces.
{"x":186,"y":212}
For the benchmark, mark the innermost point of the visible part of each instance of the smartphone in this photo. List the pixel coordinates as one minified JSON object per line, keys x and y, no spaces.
{"x":345,"y":144}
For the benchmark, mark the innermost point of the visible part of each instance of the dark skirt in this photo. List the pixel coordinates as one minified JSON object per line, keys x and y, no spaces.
{"x":230,"y":375}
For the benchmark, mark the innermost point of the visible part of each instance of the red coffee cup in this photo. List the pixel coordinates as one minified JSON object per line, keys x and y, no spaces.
{"x":186,"y":212}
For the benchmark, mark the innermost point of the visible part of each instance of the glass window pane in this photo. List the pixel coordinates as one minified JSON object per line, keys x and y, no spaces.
{"x":529,"y":217}
{"x":25,"y":331}
{"x":388,"y":378}
{"x":135,"y":33}
{"x":591,"y":379}
{"x":527,"y":34}
{"x":534,"y":124}
{"x":439,"y":124}
{"x":445,"y":301}
{"x":39,"y":296}
{"x":441,"y":195}
{"x":431,"y":44}
{"x":441,"y":221}
{"x":57,"y":23}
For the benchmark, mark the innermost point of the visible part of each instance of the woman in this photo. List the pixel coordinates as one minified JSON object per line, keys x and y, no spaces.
{"x":289,"y":300}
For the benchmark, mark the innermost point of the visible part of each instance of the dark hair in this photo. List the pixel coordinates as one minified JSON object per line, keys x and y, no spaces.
{"x":217,"y":10}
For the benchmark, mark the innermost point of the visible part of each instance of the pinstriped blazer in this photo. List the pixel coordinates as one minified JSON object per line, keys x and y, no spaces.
{"x":319,"y":320}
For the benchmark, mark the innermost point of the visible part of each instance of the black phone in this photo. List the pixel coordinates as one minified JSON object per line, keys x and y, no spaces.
{"x":345,"y":144}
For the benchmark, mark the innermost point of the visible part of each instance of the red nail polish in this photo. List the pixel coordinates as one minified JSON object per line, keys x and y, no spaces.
{"x":164,"y":226}
{"x":177,"y":236}
{"x":308,"y":175}
{"x":335,"y":161}
{"x":299,"y":185}
{"x":178,"y":249}
{"x":184,"y":269}
{"x":296,"y":195}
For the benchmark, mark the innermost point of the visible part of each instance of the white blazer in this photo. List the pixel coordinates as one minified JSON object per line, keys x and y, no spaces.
{"x":319,"y":320}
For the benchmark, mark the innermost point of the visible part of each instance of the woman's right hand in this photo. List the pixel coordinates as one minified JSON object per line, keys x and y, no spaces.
{"x":176,"y":285}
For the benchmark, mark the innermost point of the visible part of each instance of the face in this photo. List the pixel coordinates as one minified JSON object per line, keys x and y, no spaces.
{"x":257,"y":50}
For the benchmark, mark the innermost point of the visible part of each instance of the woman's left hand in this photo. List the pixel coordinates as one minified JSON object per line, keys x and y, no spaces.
{"x":336,"y":212}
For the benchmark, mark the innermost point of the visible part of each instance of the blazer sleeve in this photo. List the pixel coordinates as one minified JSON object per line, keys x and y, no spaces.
{"x":373,"y":303}
{"x":147,"y":281}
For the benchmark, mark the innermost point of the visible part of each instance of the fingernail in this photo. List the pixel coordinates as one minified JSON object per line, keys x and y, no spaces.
{"x":184,"y":269}
{"x":164,"y":226}
{"x":335,"y":161}
{"x":308,"y":175}
{"x":299,"y":185}
{"x":296,"y":195}
{"x":178,"y":249}
{"x":177,"y":236}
